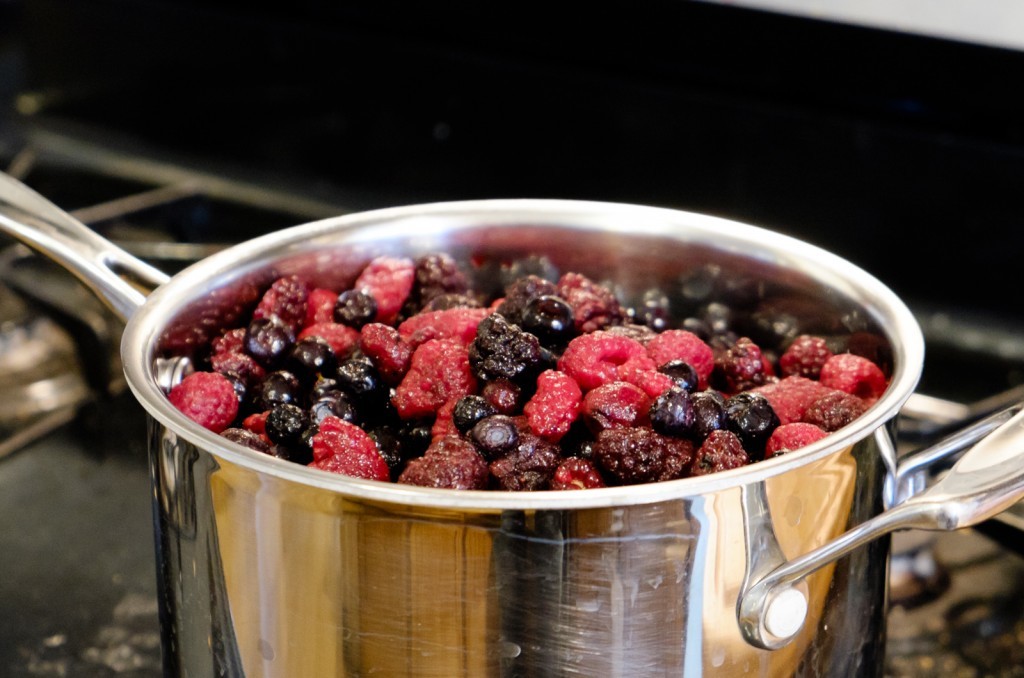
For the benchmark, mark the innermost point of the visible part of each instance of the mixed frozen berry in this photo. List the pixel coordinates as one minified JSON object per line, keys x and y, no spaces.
{"x":547,"y":382}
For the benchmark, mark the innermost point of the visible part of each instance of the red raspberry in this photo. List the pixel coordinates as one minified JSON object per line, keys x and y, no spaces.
{"x":207,"y":398}
{"x":384,"y":346}
{"x":640,"y":455}
{"x":804,"y":357}
{"x":341,"y":447}
{"x":834,"y":410}
{"x":555,"y":405}
{"x":575,"y":473}
{"x":790,"y":397}
{"x":456,"y":323}
{"x":503,"y":395}
{"x":615,"y":405}
{"x":286,"y":300}
{"x":341,"y":338}
{"x":529,"y":467}
{"x":242,"y":365}
{"x":594,"y":306}
{"x":229,"y":342}
{"x":720,"y":451}
{"x":652,"y":382}
{"x":686,"y":346}
{"x":444,"y":425}
{"x":438,"y":372}
{"x":853,"y":374}
{"x":450,"y":462}
{"x":257,"y":423}
{"x":792,"y":437}
{"x":320,"y":306}
{"x":601,"y":358}
{"x":389,"y":281}
{"x":740,"y":367}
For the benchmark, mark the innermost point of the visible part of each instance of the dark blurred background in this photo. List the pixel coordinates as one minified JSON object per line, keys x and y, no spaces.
{"x":901,"y":151}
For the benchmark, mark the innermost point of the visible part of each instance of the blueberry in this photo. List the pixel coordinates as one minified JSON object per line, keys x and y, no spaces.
{"x":267,"y":340}
{"x":495,"y":436}
{"x":682,"y":373}
{"x":469,"y":410}
{"x":654,"y":310}
{"x":362,"y":382}
{"x":672,"y":413}
{"x":751,"y":417}
{"x":334,"y":404}
{"x":309,"y":358}
{"x":278,"y":388}
{"x":708,"y":413}
{"x":286,"y":423}
{"x":550,"y":319}
{"x":355,"y":308}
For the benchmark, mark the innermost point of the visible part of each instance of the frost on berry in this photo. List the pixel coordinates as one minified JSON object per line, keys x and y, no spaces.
{"x":451,"y":463}
{"x":615,"y":405}
{"x":739,"y":367}
{"x":456,"y":323}
{"x":555,"y":405}
{"x":502,"y":350}
{"x":527,"y":468}
{"x":344,"y":448}
{"x":207,"y":398}
{"x":320,"y":306}
{"x":791,"y":396}
{"x":639,"y":455}
{"x":286,"y":300}
{"x":804,"y":357}
{"x":791,"y":437}
{"x":389,"y":281}
{"x":720,"y":451}
{"x":602,"y":357}
{"x":854,"y":374}
{"x":575,"y":473}
{"x":384,"y":346}
{"x":686,"y":346}
{"x":834,"y":410}
{"x":594,"y":306}
{"x":438,"y":371}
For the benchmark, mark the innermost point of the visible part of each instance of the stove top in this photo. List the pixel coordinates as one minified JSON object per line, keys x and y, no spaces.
{"x":75,"y":520}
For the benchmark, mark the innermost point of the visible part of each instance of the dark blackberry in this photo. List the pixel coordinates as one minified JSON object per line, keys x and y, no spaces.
{"x":529,"y":466}
{"x":520,"y":293}
{"x":708,"y":413}
{"x":451,"y":463}
{"x":550,"y":319}
{"x":682,"y":373}
{"x":672,"y":413}
{"x":653,"y":311}
{"x":268,"y":340}
{"x":250,"y":439}
{"x":751,"y":417}
{"x":362,"y":381}
{"x":310,"y":358}
{"x":334,"y":404}
{"x":277,"y":388}
{"x":355,"y":308}
{"x":495,"y":436}
{"x":834,"y":410}
{"x":640,"y":455}
{"x":435,"y":275}
{"x":286,"y":423}
{"x":469,"y":410}
{"x":502,"y":350}
{"x":740,"y":367}
{"x":721,"y":451}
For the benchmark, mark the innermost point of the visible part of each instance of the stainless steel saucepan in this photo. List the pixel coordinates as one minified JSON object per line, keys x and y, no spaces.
{"x":269,"y":568}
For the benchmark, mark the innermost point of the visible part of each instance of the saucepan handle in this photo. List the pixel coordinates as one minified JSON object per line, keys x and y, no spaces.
{"x":986,"y":480}
{"x":118,"y":278}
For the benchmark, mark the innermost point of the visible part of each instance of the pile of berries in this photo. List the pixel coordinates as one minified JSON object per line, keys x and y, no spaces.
{"x":413,"y":376}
